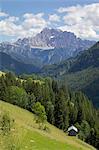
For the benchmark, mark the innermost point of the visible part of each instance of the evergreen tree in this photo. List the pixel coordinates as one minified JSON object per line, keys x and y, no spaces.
{"x":3,"y":88}
{"x":31,"y":101}
{"x":17,"y":96}
{"x":50,"y":112}
{"x":60,"y":111}
{"x":55,"y":86}
{"x":10,"y":79}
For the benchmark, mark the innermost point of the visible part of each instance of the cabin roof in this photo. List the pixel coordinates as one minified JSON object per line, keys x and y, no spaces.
{"x":72,"y":128}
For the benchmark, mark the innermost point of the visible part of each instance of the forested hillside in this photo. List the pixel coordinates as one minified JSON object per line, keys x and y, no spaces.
{"x":60,"y":106}
{"x":89,"y":58}
{"x":79,"y":73}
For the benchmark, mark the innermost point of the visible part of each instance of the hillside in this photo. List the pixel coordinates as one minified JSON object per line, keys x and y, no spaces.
{"x":7,"y":63}
{"x":80,"y":73}
{"x":84,"y":74}
{"x":57,"y":70}
{"x":87,"y":81}
{"x":28,"y":136}
{"x":89,"y":58}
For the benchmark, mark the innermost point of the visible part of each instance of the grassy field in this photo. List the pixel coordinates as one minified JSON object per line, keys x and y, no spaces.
{"x":26,"y":134}
{"x":36,"y":81}
{"x":1,"y":73}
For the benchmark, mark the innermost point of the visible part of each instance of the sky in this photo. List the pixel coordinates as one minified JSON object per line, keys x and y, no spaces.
{"x":25,"y":18}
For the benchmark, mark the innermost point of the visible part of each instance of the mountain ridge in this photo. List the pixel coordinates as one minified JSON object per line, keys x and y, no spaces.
{"x":7,"y":63}
{"x":47,"y":47}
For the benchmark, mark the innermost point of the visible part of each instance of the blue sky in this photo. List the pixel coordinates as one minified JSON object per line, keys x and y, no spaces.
{"x":20,"y":18}
{"x":17,"y":7}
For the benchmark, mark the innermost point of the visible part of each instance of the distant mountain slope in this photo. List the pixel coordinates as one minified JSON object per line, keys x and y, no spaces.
{"x":80,"y":73}
{"x":28,"y":136}
{"x":86,"y":80}
{"x":87,"y":59}
{"x":10,"y":64}
{"x":57,"y":70}
{"x":84,"y":74}
{"x":47,"y":47}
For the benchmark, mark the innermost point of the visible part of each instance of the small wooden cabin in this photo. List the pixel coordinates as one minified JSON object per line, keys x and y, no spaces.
{"x":72,"y":131}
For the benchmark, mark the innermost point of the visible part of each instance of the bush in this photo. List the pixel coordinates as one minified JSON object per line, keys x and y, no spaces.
{"x":6,"y":123}
{"x":39,"y":110}
{"x":46,"y":128}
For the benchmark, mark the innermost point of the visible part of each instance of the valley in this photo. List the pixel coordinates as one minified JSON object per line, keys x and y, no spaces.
{"x":49,"y":75}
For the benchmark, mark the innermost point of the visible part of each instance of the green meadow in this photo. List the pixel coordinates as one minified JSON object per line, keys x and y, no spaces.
{"x":26,"y":134}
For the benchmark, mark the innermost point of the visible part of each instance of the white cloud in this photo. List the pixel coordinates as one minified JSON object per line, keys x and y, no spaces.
{"x":3,"y":14}
{"x":84,"y":32}
{"x":54,"y":18}
{"x":82,"y":20}
{"x":30,"y":15}
{"x":12,"y":19}
{"x":14,"y":26}
{"x":68,"y":9}
{"x":9,"y":28}
{"x":34,"y":20}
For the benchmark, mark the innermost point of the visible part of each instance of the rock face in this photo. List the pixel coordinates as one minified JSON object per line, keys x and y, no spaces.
{"x":47,"y":47}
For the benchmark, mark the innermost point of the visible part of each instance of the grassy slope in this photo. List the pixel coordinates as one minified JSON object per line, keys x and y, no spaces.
{"x":31,"y":138}
{"x":1,"y":73}
{"x":36,"y":81}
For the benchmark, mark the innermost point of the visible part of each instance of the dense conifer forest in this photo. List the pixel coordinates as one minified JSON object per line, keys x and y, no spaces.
{"x":58,"y":104}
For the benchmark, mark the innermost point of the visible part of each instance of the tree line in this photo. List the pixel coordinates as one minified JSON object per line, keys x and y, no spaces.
{"x":53,"y":102}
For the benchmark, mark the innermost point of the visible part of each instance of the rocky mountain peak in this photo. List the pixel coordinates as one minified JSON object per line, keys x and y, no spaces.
{"x":47,"y":47}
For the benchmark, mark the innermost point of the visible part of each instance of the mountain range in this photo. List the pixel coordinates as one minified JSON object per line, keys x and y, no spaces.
{"x":50,"y":46}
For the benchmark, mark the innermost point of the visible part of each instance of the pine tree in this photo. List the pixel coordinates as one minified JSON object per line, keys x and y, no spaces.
{"x":61,"y":113}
